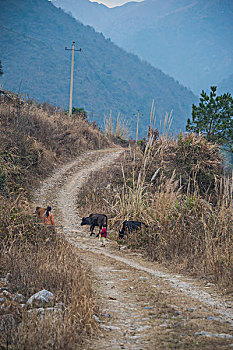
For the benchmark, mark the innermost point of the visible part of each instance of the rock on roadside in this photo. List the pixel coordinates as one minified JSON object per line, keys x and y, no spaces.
{"x":44,"y":298}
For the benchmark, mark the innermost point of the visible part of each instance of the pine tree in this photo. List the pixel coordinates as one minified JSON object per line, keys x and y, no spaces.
{"x":213,"y":117}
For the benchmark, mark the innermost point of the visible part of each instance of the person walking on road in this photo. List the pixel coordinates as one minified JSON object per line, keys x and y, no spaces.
{"x":103,"y":234}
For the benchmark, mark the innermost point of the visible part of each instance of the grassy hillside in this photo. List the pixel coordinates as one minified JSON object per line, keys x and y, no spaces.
{"x":35,"y":138}
{"x":190,"y":40}
{"x":34,"y":35}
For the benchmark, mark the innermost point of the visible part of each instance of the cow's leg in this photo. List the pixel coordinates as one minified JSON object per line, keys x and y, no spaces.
{"x":92,"y":229}
{"x":100,"y":228}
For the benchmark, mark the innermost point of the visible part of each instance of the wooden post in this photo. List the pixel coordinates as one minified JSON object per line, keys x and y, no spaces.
{"x":71,"y":79}
{"x":137,"y":128}
{"x":72,"y":76}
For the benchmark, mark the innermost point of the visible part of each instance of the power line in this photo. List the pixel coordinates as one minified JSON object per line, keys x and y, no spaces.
{"x":34,"y":39}
{"x":87,"y":60}
{"x":110,"y":92}
{"x":24,"y":35}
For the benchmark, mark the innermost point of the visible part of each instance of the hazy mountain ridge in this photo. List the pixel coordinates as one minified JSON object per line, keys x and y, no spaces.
{"x":226,"y":85}
{"x":34,"y":35}
{"x":189,"y":39}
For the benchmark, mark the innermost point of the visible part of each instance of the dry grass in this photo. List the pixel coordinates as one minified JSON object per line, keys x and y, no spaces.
{"x":188,"y":206}
{"x":116,"y":130}
{"x":33,"y":140}
{"x":190,"y":233}
{"x":52,"y":265}
{"x":177,"y":186}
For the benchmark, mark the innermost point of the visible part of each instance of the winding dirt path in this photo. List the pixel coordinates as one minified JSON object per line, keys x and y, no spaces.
{"x":143,"y":305}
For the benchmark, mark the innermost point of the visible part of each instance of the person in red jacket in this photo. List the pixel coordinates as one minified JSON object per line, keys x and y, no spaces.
{"x":48,"y":217}
{"x":103,"y":234}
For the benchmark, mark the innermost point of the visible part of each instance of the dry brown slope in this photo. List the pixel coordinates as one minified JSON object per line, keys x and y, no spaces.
{"x":143,"y":305}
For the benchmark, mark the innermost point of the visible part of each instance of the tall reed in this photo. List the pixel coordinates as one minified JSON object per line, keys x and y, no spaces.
{"x":179,"y":189}
{"x":115,"y":129}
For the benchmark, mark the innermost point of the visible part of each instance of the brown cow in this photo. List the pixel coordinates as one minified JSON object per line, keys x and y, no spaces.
{"x":40,"y":212}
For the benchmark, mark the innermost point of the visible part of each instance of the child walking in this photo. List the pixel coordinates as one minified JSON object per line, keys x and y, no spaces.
{"x":103,"y":234}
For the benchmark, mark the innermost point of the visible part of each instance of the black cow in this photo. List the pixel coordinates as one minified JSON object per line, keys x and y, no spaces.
{"x":95,"y":220}
{"x":129,"y":226}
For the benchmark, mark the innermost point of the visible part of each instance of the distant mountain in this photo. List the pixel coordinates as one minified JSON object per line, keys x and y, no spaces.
{"x":190,"y":40}
{"x":226,"y":85}
{"x":34,"y":34}
{"x":84,"y":10}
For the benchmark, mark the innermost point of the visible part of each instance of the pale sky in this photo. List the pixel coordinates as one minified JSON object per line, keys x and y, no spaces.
{"x":113,"y":3}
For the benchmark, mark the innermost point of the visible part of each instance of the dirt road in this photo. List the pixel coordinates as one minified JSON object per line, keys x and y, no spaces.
{"x":143,"y":305}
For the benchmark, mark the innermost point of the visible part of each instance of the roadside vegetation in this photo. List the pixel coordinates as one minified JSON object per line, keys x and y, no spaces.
{"x":179,"y":188}
{"x":33,"y":140}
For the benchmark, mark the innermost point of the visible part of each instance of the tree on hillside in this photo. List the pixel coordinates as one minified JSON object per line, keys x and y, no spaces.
{"x":79,"y":111}
{"x":214,"y":118}
{"x":1,"y":71}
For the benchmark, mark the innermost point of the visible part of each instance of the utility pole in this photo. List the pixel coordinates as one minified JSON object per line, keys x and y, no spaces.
{"x":72,"y":75}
